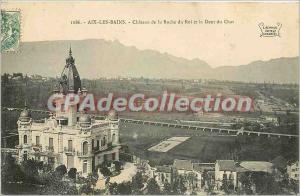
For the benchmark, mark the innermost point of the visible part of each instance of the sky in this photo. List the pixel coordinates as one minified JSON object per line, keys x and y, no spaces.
{"x":232,"y":44}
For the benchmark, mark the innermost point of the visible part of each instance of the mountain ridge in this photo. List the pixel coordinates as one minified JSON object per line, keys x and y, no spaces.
{"x":101,"y":58}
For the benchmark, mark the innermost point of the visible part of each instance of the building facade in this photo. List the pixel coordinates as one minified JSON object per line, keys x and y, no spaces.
{"x":69,"y":137}
{"x":225,"y":170}
{"x":293,"y":171}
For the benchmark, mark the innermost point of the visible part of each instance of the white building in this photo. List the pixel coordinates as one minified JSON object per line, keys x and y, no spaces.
{"x":186,"y":169}
{"x":293,"y":171}
{"x":74,"y":139}
{"x":164,"y":174}
{"x":225,"y":170}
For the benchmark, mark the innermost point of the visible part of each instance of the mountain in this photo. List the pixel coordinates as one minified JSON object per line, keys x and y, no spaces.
{"x":101,"y":58}
{"x":280,"y":70}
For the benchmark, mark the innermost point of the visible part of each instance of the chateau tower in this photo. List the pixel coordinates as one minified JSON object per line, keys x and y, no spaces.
{"x":69,"y":80}
{"x":24,"y":129}
{"x":70,"y":83}
{"x":70,"y":137}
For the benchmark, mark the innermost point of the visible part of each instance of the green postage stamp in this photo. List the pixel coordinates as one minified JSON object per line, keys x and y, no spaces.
{"x":10,"y":30}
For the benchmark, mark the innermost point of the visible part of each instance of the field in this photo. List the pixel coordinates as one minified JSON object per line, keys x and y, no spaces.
{"x":168,"y":144}
{"x":205,"y":147}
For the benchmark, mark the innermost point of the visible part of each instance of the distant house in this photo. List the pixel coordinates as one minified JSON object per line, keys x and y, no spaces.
{"x":293,"y":171}
{"x":164,"y":174}
{"x":225,"y":170}
{"x":190,"y":171}
{"x":202,"y":170}
{"x":183,"y":166}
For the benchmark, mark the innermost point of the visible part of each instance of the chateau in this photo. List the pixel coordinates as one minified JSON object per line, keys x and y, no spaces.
{"x":69,"y":137}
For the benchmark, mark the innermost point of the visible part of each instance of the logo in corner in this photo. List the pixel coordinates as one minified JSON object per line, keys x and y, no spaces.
{"x":10,"y":30}
{"x":269,"y":30}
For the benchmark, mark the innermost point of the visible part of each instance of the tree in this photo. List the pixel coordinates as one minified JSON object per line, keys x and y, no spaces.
{"x":124,"y":188}
{"x":55,"y":186}
{"x":31,"y":168}
{"x":153,"y":187}
{"x":167,"y":189}
{"x":227,"y":186}
{"x":265,"y":183}
{"x":105,"y":171}
{"x":113,"y":188}
{"x":246,"y":183}
{"x":137,"y":182}
{"x":118,"y":165}
{"x":61,"y":170}
{"x":10,"y":171}
{"x":86,"y":189}
{"x":72,"y":173}
{"x":92,"y":180}
{"x":178,"y":186}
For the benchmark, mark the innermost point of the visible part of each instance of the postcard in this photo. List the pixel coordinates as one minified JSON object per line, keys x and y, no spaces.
{"x":149,"y":98}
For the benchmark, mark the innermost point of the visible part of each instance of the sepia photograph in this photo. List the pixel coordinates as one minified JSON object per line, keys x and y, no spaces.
{"x":149,"y":98}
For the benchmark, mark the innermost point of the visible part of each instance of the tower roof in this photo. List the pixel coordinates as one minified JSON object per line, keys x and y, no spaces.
{"x":70,"y":79}
{"x":25,"y":115}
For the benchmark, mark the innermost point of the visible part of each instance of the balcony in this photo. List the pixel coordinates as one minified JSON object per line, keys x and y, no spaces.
{"x":96,"y":149}
{"x":107,"y":147}
{"x":49,"y":148}
{"x":81,"y":154}
{"x":37,"y":147}
{"x":20,"y":146}
{"x":70,"y":151}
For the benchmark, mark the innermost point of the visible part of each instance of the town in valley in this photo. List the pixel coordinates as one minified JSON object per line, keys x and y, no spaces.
{"x":82,"y":152}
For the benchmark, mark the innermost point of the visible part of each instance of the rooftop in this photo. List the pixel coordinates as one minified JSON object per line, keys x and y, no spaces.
{"x":257,"y":166}
{"x":165,"y":169}
{"x":226,"y":165}
{"x":201,"y":167}
{"x":183,"y":164}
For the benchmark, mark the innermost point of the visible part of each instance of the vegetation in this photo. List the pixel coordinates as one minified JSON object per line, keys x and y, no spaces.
{"x":33,"y":177}
{"x":153,"y":187}
{"x":72,"y":173}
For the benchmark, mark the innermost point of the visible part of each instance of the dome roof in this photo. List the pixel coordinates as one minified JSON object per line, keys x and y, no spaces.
{"x":70,"y":79}
{"x":85,"y":119}
{"x":112,"y":115}
{"x":25,"y":115}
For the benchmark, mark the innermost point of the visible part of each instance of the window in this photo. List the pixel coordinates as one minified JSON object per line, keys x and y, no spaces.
{"x":98,"y":144}
{"x":37,"y":140}
{"x":50,"y":142}
{"x":92,"y":143}
{"x":114,"y":137}
{"x":70,"y":161}
{"x":103,"y":142}
{"x":84,"y":168}
{"x":85,"y":148}
{"x":225,"y":176}
{"x":25,"y":139}
{"x":70,"y":145}
{"x":64,"y":122}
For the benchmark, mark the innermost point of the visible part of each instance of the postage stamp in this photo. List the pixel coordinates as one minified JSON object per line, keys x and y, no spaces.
{"x":10,"y":30}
